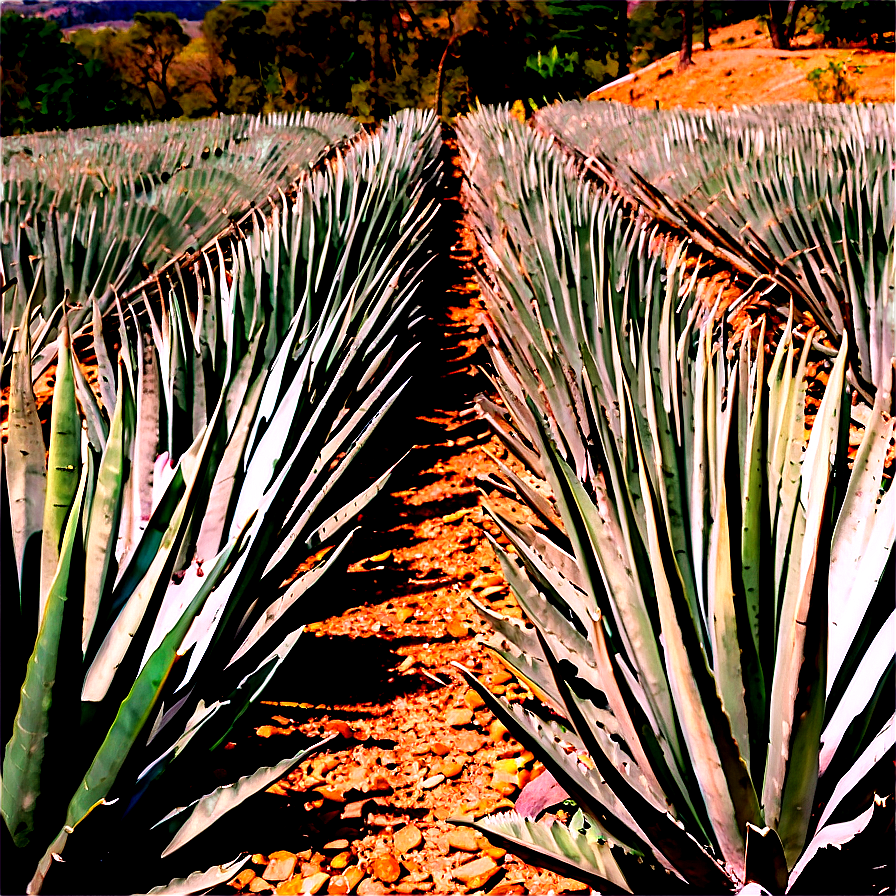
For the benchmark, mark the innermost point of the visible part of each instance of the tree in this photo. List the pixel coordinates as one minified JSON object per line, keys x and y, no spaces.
{"x":47,"y":84}
{"x":622,"y":53}
{"x":144,"y":54}
{"x":687,"y":37}
{"x":705,"y":24}
{"x":777,"y":27}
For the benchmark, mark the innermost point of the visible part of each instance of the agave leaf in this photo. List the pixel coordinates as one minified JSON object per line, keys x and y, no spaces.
{"x":831,"y":835}
{"x":26,"y":472}
{"x":105,"y":369}
{"x":298,"y":589}
{"x":120,"y":635}
{"x":62,"y":464}
{"x":97,"y":430}
{"x":210,"y":808}
{"x":105,"y":511}
{"x":860,"y":691}
{"x":137,"y":707}
{"x":200,"y":881}
{"x":23,"y":759}
{"x":797,"y":697}
{"x":875,"y":751}
{"x":554,"y":846}
{"x":764,"y":862}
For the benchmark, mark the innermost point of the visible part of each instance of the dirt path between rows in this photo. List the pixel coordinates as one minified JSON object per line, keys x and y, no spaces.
{"x":413,"y":745}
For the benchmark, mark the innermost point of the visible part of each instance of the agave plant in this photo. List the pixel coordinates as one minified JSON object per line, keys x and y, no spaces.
{"x":800,"y":195}
{"x":164,"y":584}
{"x":87,"y":215}
{"x":709,"y":590}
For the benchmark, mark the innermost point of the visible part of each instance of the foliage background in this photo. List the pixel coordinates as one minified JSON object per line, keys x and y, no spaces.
{"x":369,"y":58}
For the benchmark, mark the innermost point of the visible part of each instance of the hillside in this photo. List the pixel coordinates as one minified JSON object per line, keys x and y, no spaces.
{"x":742,"y":68}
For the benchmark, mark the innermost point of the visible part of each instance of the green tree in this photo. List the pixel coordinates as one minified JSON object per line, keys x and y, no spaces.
{"x":144,"y":54}
{"x":46,"y":84}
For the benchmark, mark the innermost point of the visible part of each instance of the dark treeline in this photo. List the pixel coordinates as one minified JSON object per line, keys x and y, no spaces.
{"x":365,"y":57}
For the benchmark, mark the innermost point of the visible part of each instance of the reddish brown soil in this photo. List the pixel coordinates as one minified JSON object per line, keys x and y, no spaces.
{"x":742,"y":68}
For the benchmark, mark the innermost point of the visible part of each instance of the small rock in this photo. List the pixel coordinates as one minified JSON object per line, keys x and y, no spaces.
{"x":341,"y":727}
{"x":411,"y":886}
{"x":469,"y":741}
{"x":330,"y":793}
{"x":291,"y":887}
{"x":386,"y":867}
{"x":371,"y":887}
{"x":243,"y":878}
{"x":463,"y":839}
{"x":568,"y":885}
{"x":439,"y":748}
{"x":495,"y":852}
{"x":457,"y":718}
{"x":489,"y":580}
{"x":472,"y":699}
{"x":451,"y":769}
{"x":476,"y":873}
{"x":432,"y":781}
{"x":508,"y":888}
{"x":457,"y":629}
{"x":402,"y":614}
{"x":338,"y":886}
{"x":408,"y":838}
{"x":281,"y":866}
{"x":352,"y":875}
{"x":336,"y":845}
{"x":490,"y":592}
{"x":341,"y":861}
{"x":497,"y":732}
{"x":259,"y":859}
{"x":313,"y":883}
{"x":259,"y":885}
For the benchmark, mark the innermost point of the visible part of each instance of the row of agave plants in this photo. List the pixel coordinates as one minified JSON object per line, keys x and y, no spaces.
{"x":708,"y":588}
{"x":88,"y":215}
{"x":156,"y":538}
{"x":802,"y":198}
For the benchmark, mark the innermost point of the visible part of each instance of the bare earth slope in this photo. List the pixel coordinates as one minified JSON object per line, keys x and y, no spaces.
{"x":743,"y":68}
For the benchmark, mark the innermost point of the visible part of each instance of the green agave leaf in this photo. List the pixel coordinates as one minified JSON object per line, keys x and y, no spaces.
{"x":798,"y":695}
{"x":207,"y":810}
{"x":557,"y":847}
{"x":23,"y":759}
{"x":62,"y":464}
{"x":105,"y":510}
{"x":137,"y":707}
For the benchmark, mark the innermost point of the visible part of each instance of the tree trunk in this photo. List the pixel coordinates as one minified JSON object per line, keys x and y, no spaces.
{"x":687,"y":37}
{"x":793,"y":9}
{"x":440,"y":82}
{"x":777,"y":12}
{"x":706,"y":45}
{"x":622,"y":39}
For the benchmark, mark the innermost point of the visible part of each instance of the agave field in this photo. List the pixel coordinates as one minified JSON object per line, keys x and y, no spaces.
{"x":691,"y":329}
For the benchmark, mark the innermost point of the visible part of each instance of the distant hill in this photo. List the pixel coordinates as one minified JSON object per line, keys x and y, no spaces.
{"x":81,"y":12}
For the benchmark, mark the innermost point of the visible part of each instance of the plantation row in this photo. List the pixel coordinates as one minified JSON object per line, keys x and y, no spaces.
{"x":711,"y":591}
{"x":710,"y":582}
{"x":217,"y":454}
